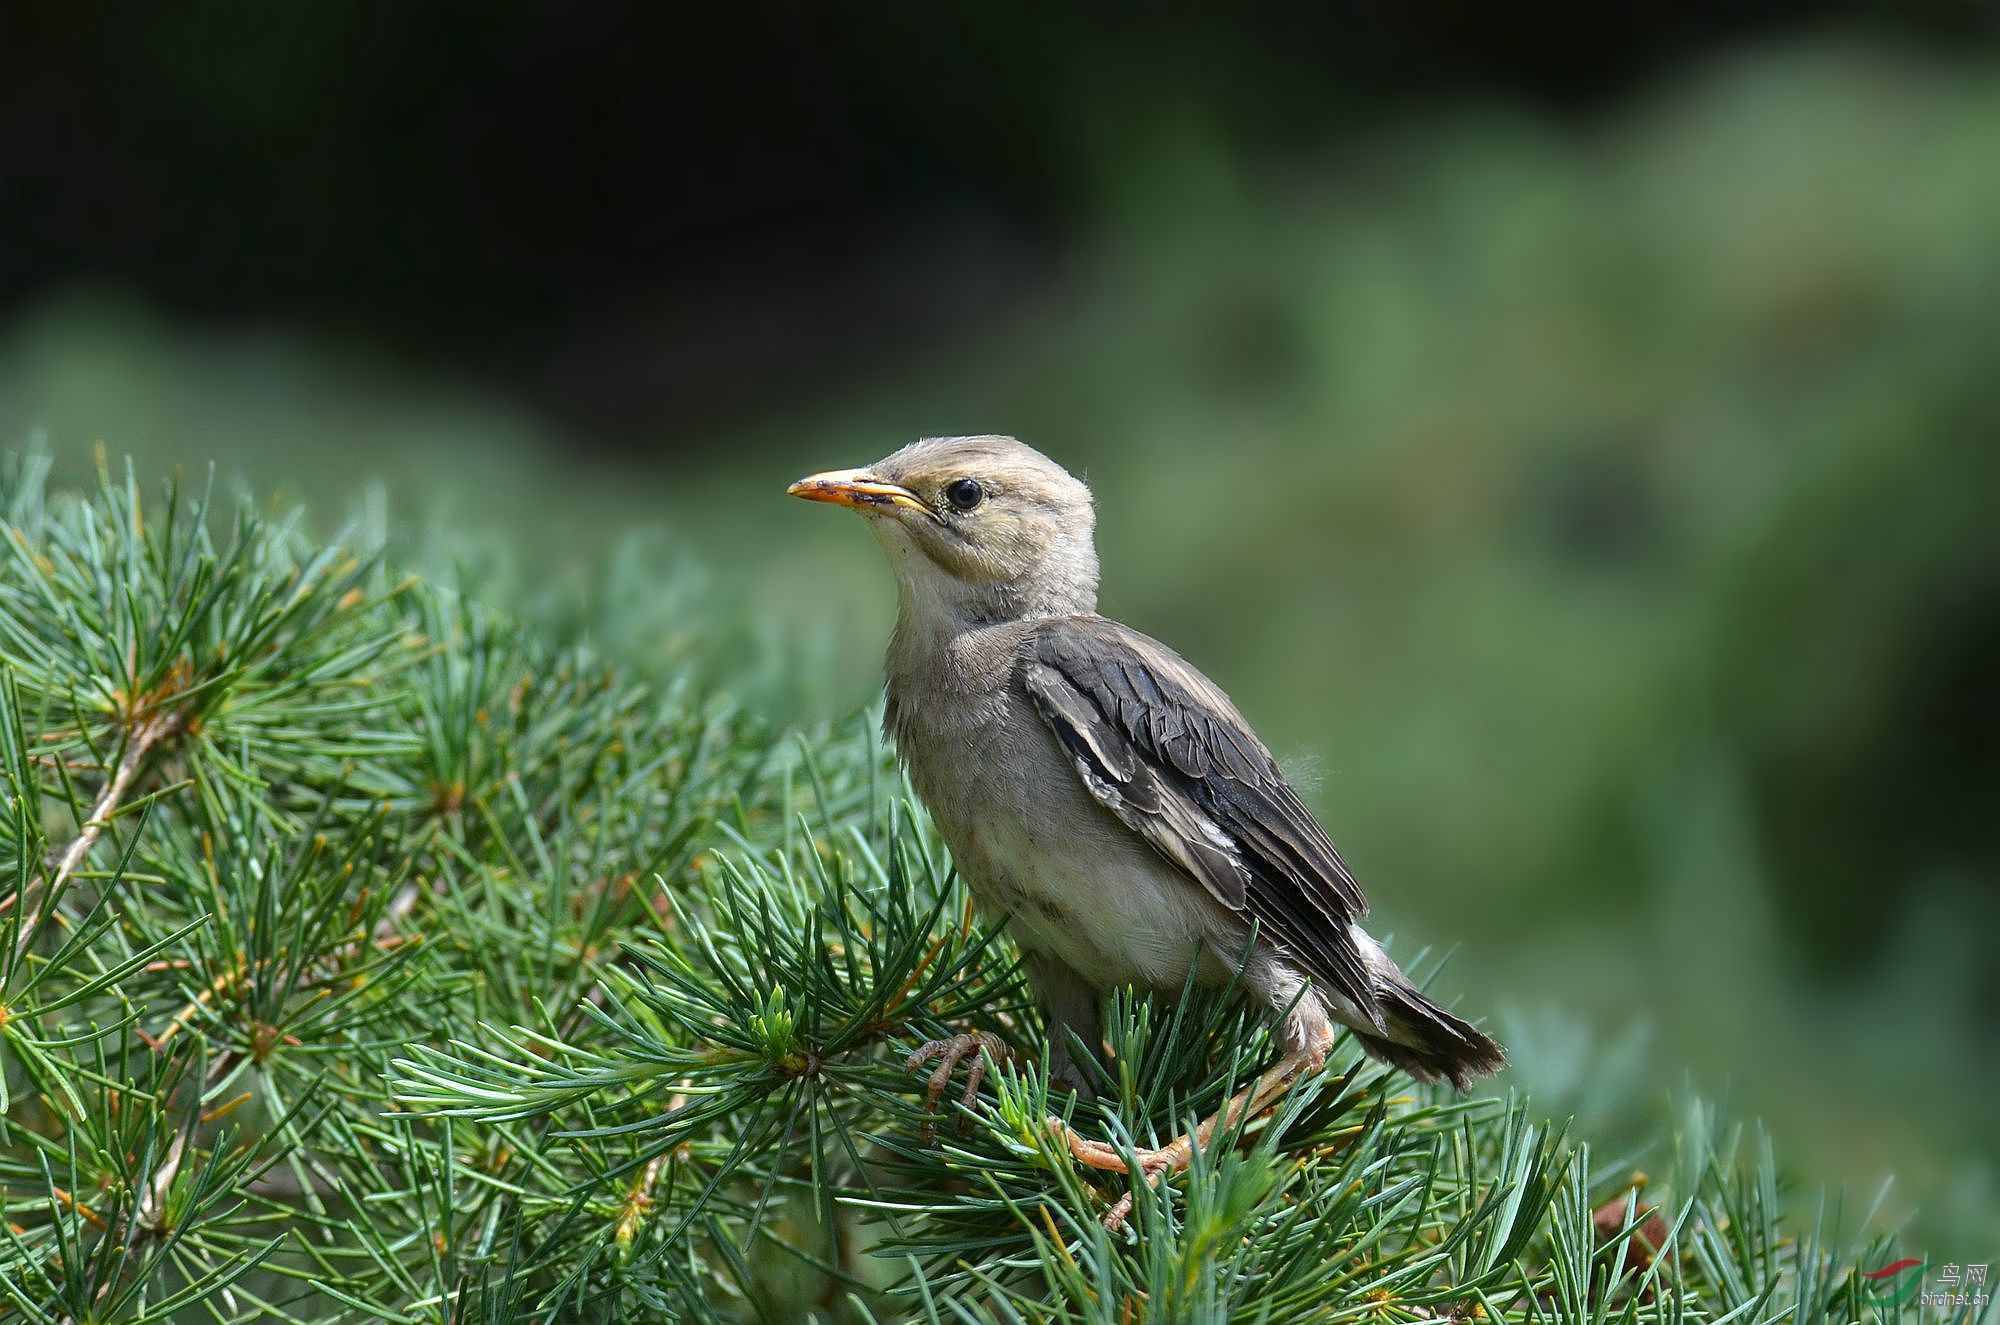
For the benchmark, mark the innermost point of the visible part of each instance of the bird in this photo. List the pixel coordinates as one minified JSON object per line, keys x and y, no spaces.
{"x":1104,"y":796}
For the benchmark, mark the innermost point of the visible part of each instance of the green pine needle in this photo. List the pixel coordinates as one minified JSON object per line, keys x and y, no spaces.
{"x":368,"y":956}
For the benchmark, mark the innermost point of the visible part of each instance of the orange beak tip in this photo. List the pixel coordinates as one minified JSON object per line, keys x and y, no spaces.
{"x":856,"y":489}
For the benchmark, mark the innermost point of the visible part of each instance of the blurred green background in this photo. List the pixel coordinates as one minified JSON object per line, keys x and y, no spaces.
{"x":1577,"y":451}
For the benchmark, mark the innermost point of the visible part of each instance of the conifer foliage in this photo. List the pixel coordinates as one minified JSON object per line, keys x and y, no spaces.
{"x":368,"y":952}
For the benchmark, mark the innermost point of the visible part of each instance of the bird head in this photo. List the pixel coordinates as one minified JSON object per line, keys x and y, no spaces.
{"x":985,"y":529}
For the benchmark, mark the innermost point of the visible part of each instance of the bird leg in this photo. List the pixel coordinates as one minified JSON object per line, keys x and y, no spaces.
{"x":979,"y":1046}
{"x":1179,"y":1153}
{"x":1073,"y":1009}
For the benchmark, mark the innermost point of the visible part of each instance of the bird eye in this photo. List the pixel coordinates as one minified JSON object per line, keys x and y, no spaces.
{"x":964,"y":494}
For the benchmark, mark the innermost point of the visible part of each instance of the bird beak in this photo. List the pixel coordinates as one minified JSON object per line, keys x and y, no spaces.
{"x":856,"y":488}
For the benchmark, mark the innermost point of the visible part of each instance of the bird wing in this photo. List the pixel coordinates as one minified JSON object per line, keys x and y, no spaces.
{"x":1162,"y":748}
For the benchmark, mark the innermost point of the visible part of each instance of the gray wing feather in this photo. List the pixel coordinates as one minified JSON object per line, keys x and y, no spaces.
{"x":1159,"y":746}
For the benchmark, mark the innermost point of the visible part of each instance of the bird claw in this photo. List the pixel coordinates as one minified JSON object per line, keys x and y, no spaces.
{"x":979,"y":1046}
{"x":1148,"y":1165}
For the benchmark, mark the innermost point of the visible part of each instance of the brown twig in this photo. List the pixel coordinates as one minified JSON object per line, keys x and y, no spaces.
{"x":145,"y":735}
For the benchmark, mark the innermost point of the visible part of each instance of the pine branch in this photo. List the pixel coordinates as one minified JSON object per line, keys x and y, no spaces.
{"x":447,"y":973}
{"x":146,"y":732}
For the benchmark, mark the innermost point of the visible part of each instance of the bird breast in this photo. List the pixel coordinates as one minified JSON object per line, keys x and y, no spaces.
{"x":1031,"y":843}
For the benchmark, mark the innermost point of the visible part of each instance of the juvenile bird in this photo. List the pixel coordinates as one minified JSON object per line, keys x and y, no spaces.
{"x":1097,"y":788}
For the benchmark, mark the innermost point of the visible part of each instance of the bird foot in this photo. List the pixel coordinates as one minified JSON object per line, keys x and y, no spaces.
{"x":1179,"y":1153}
{"x":979,"y":1046}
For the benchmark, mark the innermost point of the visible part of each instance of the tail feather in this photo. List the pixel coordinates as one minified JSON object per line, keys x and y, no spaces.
{"x":1427,"y":1041}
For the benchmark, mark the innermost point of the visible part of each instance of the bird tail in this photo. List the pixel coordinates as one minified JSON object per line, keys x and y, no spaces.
{"x":1426,"y":1040}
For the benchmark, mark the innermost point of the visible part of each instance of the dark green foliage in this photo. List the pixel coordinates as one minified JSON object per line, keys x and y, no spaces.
{"x":368,"y":958}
